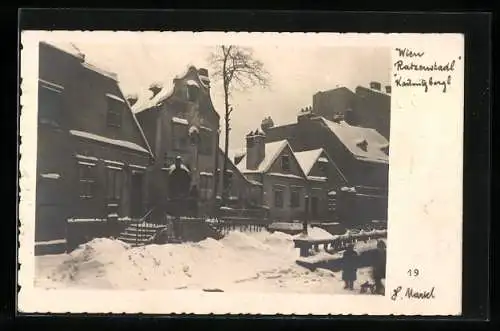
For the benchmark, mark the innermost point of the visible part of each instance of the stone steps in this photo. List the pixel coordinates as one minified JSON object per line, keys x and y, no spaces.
{"x":140,"y":234}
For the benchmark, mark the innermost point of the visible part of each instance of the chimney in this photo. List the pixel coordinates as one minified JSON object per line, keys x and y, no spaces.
{"x":155,"y":88}
{"x":375,"y":86}
{"x":132,"y":99}
{"x":388,"y":89}
{"x":203,"y":73}
{"x":267,"y":123}
{"x":256,"y":149}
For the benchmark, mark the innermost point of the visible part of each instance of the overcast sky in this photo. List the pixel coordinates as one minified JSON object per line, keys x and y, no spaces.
{"x":297,"y":72}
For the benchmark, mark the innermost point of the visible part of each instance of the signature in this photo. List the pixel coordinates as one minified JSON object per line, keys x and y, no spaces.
{"x":411,"y":293}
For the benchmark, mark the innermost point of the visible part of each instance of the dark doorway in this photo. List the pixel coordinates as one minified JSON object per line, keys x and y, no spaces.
{"x":136,"y":199}
{"x":314,"y":208}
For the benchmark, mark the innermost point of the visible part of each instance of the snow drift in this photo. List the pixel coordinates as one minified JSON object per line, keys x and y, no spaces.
{"x":259,"y":261}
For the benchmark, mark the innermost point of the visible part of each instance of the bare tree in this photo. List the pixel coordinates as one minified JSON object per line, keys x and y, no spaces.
{"x":238,"y":70}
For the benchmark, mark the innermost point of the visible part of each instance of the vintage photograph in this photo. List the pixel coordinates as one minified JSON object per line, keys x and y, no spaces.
{"x":218,"y":168}
{"x":259,"y":173}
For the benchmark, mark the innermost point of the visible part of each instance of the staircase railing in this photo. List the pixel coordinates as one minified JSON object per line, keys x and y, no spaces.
{"x":141,"y":226}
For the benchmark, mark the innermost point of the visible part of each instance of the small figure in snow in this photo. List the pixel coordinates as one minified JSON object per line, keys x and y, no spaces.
{"x":378,"y":269}
{"x":349,"y":266}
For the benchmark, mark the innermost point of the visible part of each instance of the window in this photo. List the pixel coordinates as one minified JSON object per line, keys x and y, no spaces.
{"x":285,"y":163}
{"x":205,"y":187}
{"x":278,"y":197}
{"x":206,"y":143}
{"x":295,"y":197}
{"x":114,"y":183}
{"x":323,"y":168}
{"x":180,"y":136}
{"x":115,"y":109}
{"x":192,"y":93}
{"x":49,"y":104}
{"x":228,"y":182}
{"x":86,"y":180}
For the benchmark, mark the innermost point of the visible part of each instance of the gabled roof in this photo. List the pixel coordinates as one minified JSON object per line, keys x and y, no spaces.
{"x":307,"y":159}
{"x":74,"y":50}
{"x":354,"y":137}
{"x":231,"y":161}
{"x":272,"y":150}
{"x":236,"y":153}
{"x":146,"y":100}
{"x":340,"y":89}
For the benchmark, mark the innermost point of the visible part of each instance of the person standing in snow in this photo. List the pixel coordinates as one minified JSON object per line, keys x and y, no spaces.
{"x":379,"y":265}
{"x":349,"y":266}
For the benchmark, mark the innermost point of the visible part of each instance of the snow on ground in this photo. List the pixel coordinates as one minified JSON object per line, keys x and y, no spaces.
{"x":260,"y":261}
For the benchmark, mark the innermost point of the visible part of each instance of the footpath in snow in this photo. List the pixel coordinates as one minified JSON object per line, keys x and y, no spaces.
{"x":259,"y":261}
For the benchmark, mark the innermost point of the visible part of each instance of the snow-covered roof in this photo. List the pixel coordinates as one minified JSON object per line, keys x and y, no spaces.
{"x":146,"y":100}
{"x":307,"y":159}
{"x":116,"y":142}
{"x":351,"y":136}
{"x":79,"y":52}
{"x":272,"y":150}
{"x":236,"y":153}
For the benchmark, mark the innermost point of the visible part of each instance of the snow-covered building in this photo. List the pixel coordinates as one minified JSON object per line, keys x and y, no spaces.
{"x":284,"y":178}
{"x":179,"y":119}
{"x":368,"y":107}
{"x":361,"y":156}
{"x":92,"y":154}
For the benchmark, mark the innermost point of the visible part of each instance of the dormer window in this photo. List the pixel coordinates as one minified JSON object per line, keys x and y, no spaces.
{"x":285,"y":163}
{"x":363,"y":145}
{"x":115,"y":110}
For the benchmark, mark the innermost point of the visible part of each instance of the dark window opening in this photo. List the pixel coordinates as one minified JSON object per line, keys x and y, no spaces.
{"x":285,"y":163}
{"x":180,"y":136}
{"x":114,"y":184}
{"x":114,"y":115}
{"x":323,"y":168}
{"x":206,"y":142}
{"x":228,"y":182}
{"x":278,"y":198}
{"x":86,"y":181}
{"x":49,"y":104}
{"x":295,"y":197}
{"x":192,"y":92}
{"x":205,"y":187}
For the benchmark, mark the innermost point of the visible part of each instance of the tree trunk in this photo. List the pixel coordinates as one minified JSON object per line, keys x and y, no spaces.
{"x":226,"y":146}
{"x":226,"y":125}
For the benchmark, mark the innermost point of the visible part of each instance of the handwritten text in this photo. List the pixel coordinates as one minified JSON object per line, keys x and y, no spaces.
{"x":412,"y":61}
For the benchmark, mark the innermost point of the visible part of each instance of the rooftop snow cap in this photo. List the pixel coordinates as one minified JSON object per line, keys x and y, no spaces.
{"x":155,"y":88}
{"x":256,"y":149}
{"x":375,"y":86}
{"x":132,"y":99}
{"x":267,"y":123}
{"x":203,"y":73}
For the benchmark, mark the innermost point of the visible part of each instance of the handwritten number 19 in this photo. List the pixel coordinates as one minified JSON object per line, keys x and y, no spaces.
{"x":413,"y":272}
